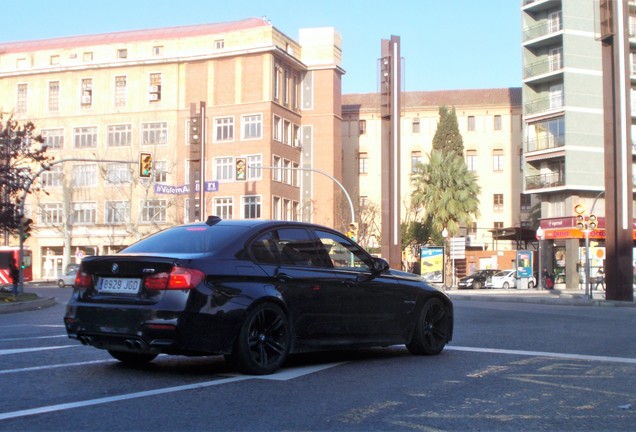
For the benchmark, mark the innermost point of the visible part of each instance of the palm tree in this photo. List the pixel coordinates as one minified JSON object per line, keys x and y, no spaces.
{"x":446,"y":191}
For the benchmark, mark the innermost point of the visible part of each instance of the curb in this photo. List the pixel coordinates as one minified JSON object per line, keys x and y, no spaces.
{"x":24,"y":306}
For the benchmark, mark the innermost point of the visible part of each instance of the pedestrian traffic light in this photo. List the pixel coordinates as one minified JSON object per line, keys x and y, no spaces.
{"x":145,"y":165}
{"x":591,"y":222}
{"x":25,"y":224}
{"x":241,"y":169}
{"x":579,"y":210}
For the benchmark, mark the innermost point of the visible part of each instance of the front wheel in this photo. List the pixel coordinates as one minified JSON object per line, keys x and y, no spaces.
{"x":432,"y":329}
{"x":263,"y":341}
{"x":476,"y":285}
{"x":506,"y":285}
{"x":131,"y":357}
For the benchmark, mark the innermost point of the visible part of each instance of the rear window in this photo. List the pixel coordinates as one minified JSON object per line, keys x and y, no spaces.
{"x":187,"y":239}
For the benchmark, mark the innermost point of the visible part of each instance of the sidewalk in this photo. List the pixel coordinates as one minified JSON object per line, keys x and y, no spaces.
{"x":541,"y":296}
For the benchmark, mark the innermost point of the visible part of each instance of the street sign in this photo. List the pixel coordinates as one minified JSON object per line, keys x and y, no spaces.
{"x":458,"y":248}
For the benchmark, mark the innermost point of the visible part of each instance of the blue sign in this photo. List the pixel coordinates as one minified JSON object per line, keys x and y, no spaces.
{"x":210,"y":186}
{"x":524,"y":264}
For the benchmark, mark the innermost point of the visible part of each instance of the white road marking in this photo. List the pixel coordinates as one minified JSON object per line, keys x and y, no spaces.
{"x":285,"y":374}
{"x":56,"y":366}
{"x":545,"y":354}
{"x":32,"y":338}
{"x":26,"y":350}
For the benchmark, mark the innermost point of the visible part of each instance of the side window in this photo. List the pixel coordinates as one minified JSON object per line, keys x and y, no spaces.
{"x":342,"y":252}
{"x":264,"y":249}
{"x":298,"y":247}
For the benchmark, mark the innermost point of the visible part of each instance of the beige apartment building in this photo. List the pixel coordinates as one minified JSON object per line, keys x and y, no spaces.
{"x":490,"y":123}
{"x":101,"y":101}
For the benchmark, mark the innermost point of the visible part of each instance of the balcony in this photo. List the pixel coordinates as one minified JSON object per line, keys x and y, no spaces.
{"x":552,"y":103}
{"x":540,"y":5}
{"x":543,"y":34}
{"x":545,"y":143}
{"x":543,"y":71}
{"x":543,"y":181}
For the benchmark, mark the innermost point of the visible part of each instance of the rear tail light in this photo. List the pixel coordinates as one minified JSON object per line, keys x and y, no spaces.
{"x":180,"y":278}
{"x":82,"y":279}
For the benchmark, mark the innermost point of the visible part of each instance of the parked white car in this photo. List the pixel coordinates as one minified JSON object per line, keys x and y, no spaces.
{"x":508,"y":279}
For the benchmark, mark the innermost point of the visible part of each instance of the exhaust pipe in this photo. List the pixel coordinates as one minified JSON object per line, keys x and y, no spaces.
{"x":86,"y":340}
{"x":135,"y":345}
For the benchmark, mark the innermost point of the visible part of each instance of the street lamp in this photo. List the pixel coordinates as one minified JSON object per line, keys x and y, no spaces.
{"x":540,"y":272}
{"x":445,"y":235}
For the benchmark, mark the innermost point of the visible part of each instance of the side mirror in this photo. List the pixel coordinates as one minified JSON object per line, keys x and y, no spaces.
{"x":380,"y":265}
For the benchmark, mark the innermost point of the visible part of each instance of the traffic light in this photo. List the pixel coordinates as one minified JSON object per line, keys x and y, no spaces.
{"x":25,"y":224}
{"x":353,"y":231}
{"x":241,"y":169}
{"x":195,"y":130}
{"x":579,"y":210}
{"x":145,"y":165}
{"x":591,"y":222}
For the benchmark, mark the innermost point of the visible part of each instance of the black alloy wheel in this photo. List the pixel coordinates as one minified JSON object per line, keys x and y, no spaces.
{"x":264,"y":340}
{"x":432,"y":330}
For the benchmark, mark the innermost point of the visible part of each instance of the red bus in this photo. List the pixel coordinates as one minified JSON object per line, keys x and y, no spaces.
{"x":9,"y":253}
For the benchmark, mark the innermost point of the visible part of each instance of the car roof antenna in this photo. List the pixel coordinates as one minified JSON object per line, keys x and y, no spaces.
{"x":213,"y":220}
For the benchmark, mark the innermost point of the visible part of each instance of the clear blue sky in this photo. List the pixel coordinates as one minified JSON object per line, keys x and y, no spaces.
{"x":446,"y":44}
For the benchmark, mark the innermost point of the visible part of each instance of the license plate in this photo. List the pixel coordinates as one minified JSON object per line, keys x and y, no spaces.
{"x":118,"y":285}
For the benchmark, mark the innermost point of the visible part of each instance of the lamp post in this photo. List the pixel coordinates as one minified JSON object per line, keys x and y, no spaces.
{"x":540,"y":272}
{"x":445,"y":235}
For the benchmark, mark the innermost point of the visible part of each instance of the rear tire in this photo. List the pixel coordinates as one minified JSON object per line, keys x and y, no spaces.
{"x":132,"y":358}
{"x":263,"y":342}
{"x":432,"y":330}
{"x":476,"y":285}
{"x":506,"y":285}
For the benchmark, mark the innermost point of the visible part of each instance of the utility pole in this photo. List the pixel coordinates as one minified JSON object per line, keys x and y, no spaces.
{"x":614,"y":15}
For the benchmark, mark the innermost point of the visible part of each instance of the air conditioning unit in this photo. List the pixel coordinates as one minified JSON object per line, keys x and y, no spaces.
{"x":86,"y":100}
{"x":153,"y":96}
{"x":470,"y":240}
{"x":154,"y":89}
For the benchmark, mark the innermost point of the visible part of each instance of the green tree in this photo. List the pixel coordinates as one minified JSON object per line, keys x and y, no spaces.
{"x":447,"y":192}
{"x":447,"y":137}
{"x":20,"y":151}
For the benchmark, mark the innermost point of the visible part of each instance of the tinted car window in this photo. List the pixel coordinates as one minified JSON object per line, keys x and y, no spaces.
{"x":342,"y":252}
{"x":187,"y":239}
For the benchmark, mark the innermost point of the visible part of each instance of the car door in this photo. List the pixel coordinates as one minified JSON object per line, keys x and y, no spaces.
{"x":313,"y":298}
{"x":375,"y":307}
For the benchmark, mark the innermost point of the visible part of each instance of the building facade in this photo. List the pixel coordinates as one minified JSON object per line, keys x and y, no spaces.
{"x":490,"y":124}
{"x":563,"y":128}
{"x":101,"y":101}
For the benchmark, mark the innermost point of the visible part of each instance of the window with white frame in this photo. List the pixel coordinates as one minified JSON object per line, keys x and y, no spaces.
{"x":51,"y":214}
{"x":277,"y":163}
{"x":54,"y":96}
{"x":278,"y":76}
{"x":471,"y":160}
{"x":471,"y":124}
{"x":85,"y":137}
{"x":276,"y":208}
{"x":52,"y":178}
{"x":295,"y":174}
{"x":416,"y":159}
{"x":118,"y":173}
{"x":251,"y":206}
{"x":286,"y":171}
{"x":497,"y":160}
{"x":117,"y":212}
{"x":223,"y":129}
{"x":277,"y":129}
{"x":87,"y":93}
{"x":497,"y":122}
{"x":84,"y":175}
{"x":197,"y":210}
{"x":254,"y":162}
{"x":556,"y":96}
{"x":363,"y":163}
{"x":122,"y":53}
{"x":154,"y":211}
{"x":497,"y":202}
{"x":83,"y":213}
{"x":120,"y":91}
{"x":53,"y":138}
{"x":224,"y":207}
{"x":160,"y":171}
{"x":155,"y":133}
{"x":287,"y":132}
{"x":415,"y":125}
{"x":252,"y":126}
{"x":119,"y":135}
{"x":21,"y":98}
{"x":295,"y":212}
{"x":224,"y":168}
{"x":287,"y":209}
